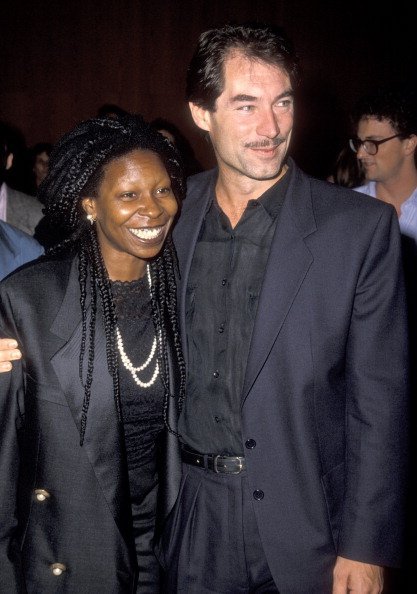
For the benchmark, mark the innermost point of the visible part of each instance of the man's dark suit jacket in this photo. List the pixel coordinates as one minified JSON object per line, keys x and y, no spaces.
{"x":325,"y":395}
{"x":84,"y":521}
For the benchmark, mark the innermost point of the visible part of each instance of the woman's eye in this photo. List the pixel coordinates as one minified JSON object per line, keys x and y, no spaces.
{"x":163,"y":191}
{"x":128,"y":195}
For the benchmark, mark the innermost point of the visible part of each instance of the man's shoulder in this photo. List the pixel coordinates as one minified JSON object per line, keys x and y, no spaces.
{"x":339,"y":198}
{"x":16,"y":248}
{"x":23,"y":211}
{"x":24,"y":199}
{"x":14,"y":237}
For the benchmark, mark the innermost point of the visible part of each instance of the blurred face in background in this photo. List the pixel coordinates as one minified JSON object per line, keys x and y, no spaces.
{"x":40,"y":167}
{"x":167,"y":135}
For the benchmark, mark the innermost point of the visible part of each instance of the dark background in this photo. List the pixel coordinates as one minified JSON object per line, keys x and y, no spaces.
{"x":60,"y":60}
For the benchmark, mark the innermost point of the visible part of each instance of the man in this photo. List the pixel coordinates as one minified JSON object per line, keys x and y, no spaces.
{"x":385,"y":122}
{"x":40,"y":163}
{"x":16,"y":248}
{"x":385,"y":144}
{"x":293,"y":440}
{"x":18,"y":209}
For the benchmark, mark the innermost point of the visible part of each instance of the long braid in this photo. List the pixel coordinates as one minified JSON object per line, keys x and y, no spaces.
{"x":77,"y":166}
{"x":164,"y":302}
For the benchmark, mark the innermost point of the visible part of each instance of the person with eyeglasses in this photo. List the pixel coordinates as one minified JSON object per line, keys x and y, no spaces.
{"x":385,"y":144}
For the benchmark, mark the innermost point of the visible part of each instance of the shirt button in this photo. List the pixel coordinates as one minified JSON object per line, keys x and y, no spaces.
{"x":224,"y":281}
{"x":216,"y":374}
{"x":221,"y":329}
{"x":57,"y":568}
{"x":250,"y":444}
{"x":258,"y":494}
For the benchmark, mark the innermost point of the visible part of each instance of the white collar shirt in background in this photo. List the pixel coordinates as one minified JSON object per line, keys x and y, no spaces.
{"x":408,"y":217}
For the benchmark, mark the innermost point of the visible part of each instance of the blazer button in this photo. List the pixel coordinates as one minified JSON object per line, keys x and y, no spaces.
{"x":58,"y":568}
{"x":258,"y":494}
{"x":250,"y":444}
{"x":41,"y":494}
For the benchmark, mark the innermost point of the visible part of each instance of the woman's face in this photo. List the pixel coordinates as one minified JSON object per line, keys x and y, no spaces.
{"x":134,"y":210}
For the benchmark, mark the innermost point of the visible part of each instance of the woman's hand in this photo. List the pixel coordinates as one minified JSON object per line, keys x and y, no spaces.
{"x":8,"y":352}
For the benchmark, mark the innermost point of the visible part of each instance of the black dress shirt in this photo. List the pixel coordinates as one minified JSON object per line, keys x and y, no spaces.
{"x":222,"y":297}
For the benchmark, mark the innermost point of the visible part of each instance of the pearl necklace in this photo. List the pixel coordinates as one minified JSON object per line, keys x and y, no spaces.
{"x":127,"y":363}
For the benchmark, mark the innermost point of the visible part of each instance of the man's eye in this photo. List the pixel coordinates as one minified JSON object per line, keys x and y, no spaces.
{"x":285,"y":103}
{"x":128,"y":195}
{"x":246,"y":108}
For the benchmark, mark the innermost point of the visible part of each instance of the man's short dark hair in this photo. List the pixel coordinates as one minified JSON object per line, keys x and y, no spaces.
{"x":395,"y":103}
{"x":263,"y":43}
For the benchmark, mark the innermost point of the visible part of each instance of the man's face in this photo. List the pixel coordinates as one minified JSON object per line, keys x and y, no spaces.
{"x":40,"y":167}
{"x":387,"y":163}
{"x":250,"y":128}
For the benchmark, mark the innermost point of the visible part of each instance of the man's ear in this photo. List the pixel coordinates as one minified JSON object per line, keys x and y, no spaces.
{"x":411,"y":143}
{"x":9,"y":161}
{"x":200,"y":116}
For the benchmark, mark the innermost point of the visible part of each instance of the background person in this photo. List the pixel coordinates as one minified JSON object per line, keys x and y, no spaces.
{"x":174,"y":135}
{"x":385,"y":145}
{"x":89,"y":419}
{"x":39,"y":160}
{"x":385,"y":124}
{"x":347,"y":170}
{"x":17,"y":208}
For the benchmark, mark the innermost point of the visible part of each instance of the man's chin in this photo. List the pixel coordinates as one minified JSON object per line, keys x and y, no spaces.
{"x":265,"y":174}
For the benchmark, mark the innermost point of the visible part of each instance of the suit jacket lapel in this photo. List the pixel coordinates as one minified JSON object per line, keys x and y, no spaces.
{"x":185,"y":238}
{"x":287,"y":266}
{"x":103,"y":442}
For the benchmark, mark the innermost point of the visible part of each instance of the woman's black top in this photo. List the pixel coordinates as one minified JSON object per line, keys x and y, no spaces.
{"x":142,"y":408}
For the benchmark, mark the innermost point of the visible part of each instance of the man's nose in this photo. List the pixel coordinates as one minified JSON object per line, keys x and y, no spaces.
{"x":268,"y":124}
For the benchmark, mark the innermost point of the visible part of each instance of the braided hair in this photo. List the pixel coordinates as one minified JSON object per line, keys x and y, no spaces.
{"x":76,"y":169}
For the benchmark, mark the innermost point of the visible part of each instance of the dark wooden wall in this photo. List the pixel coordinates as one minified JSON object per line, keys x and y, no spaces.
{"x":61,"y":59}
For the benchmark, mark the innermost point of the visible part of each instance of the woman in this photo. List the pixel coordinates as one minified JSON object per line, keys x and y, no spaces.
{"x":89,"y":417}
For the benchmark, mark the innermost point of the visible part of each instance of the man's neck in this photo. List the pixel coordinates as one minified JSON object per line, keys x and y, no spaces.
{"x":397,"y":190}
{"x":233,"y":193}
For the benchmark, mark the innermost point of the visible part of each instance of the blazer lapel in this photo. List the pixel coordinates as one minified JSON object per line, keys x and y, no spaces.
{"x":287,"y":266}
{"x":185,"y":238}
{"x":103,"y":442}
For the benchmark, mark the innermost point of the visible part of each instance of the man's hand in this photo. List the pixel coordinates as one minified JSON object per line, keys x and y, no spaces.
{"x":8,"y":353}
{"x":356,"y":578}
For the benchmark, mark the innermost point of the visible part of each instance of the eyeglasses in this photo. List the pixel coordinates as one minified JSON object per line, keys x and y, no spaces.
{"x":370,"y":146}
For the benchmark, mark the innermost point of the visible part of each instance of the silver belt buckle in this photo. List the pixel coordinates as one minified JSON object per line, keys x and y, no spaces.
{"x":223,"y":469}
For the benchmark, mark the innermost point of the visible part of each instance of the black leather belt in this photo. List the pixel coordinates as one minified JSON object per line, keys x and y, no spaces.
{"x":216,"y":463}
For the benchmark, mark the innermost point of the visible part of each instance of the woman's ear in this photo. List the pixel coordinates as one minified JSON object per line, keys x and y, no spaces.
{"x":89,"y":206}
